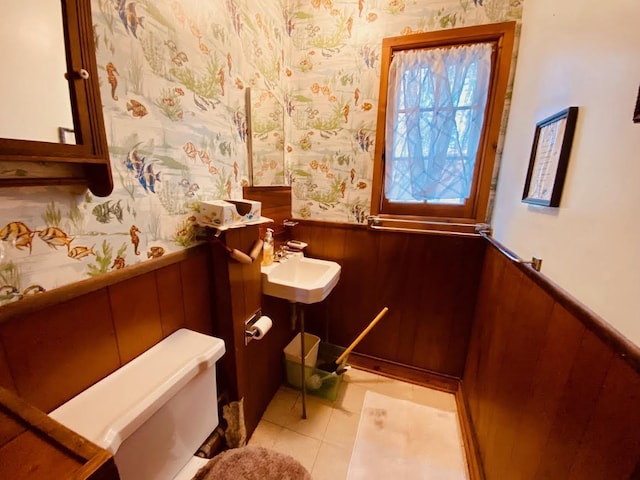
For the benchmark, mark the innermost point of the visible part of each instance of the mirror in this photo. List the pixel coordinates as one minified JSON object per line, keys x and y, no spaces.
{"x":71,"y":147}
{"x":266,"y":139}
{"x":37,"y":55}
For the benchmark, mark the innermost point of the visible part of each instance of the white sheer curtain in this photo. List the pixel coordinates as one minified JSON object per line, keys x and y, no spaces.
{"x":435,"y":109}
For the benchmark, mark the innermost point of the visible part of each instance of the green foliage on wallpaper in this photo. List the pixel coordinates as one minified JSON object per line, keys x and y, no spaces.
{"x":103,"y":260}
{"x":52,"y":215}
{"x":76,"y":216}
{"x":207,"y":85}
{"x":10,"y":275}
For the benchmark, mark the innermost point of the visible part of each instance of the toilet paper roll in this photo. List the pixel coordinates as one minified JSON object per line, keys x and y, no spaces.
{"x":261,"y":327}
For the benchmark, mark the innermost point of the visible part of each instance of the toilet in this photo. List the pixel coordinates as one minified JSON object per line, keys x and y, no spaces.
{"x":153,"y":413}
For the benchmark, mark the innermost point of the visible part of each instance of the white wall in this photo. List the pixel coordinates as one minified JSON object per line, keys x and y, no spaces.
{"x":585,"y":54}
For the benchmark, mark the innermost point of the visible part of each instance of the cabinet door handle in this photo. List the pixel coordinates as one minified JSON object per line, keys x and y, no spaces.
{"x":82,"y":73}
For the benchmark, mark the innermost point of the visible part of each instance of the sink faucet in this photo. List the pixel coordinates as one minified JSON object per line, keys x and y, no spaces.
{"x":282,"y":253}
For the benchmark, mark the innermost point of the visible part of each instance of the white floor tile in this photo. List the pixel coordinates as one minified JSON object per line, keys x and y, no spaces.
{"x":350,"y":397}
{"x":433,"y":398}
{"x":279,"y":409}
{"x":318,"y":415}
{"x":324,"y":441}
{"x":392,"y":388}
{"x":265,"y":434}
{"x":332,"y":463}
{"x":342,"y":428}
{"x":301,"y":447}
{"x":360,"y":377}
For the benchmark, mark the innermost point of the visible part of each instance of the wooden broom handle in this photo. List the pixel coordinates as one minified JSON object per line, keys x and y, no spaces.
{"x":362,"y":335}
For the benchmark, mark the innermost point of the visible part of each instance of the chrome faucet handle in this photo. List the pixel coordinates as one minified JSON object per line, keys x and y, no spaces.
{"x":282,"y":252}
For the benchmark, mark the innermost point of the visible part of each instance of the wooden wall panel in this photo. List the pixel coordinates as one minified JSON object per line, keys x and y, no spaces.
{"x":580,"y":395}
{"x":547,"y":393}
{"x":539,"y":410}
{"x":56,"y":353}
{"x":264,"y":362}
{"x":251,"y":372}
{"x":525,"y":331}
{"x":6,"y":380}
{"x":276,"y":204}
{"x":196,"y":275}
{"x":51,"y":353}
{"x":429,"y":283}
{"x":170,"y":296}
{"x":136,"y":315}
{"x":612,"y":428}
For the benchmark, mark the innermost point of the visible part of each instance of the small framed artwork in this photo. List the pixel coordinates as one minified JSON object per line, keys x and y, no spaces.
{"x":67,"y":135}
{"x":549,"y":158}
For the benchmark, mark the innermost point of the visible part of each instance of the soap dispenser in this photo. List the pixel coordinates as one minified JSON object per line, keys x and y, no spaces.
{"x":267,"y":249}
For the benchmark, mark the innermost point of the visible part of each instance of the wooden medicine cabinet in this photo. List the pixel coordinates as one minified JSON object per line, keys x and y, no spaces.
{"x":77,"y":154}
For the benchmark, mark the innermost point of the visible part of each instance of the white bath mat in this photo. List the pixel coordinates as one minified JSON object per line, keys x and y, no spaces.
{"x":404,"y":440}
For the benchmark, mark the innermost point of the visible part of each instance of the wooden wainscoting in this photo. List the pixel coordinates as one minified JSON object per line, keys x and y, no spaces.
{"x":250,"y":372}
{"x":429,"y":282}
{"x":550,"y":391}
{"x":58,"y":343}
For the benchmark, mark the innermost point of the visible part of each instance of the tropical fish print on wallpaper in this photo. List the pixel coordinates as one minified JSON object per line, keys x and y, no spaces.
{"x":173,"y":75}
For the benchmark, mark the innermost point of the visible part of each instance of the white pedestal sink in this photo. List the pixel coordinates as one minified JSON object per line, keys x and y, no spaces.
{"x":300,"y":279}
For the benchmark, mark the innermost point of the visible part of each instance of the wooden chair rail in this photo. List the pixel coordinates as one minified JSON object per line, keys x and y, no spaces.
{"x":71,"y":291}
{"x":620,"y":345}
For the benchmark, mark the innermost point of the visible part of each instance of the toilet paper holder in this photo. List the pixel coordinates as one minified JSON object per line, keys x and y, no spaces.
{"x":250,"y":331}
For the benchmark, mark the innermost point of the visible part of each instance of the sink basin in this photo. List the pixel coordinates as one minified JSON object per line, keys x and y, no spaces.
{"x":300,"y":279}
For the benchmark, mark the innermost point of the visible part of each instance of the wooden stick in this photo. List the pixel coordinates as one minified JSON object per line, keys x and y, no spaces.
{"x":239,"y":256}
{"x":255,"y":249}
{"x":362,"y":335}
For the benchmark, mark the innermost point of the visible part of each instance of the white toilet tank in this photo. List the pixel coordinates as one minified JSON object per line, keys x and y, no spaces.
{"x":153,"y":413}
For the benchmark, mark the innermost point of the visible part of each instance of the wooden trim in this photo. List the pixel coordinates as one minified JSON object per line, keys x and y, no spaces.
{"x":249,"y":130}
{"x":73,"y":290}
{"x":469,"y":437}
{"x":92,"y":461}
{"x":48,"y":427}
{"x":279,"y":189}
{"x":620,"y":345}
{"x":425,"y":228}
{"x":91,"y":151}
{"x":475,"y":208}
{"x":406,"y":373}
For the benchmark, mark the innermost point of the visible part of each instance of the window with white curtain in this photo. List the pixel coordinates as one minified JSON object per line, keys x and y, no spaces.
{"x":442,"y":95}
{"x":435,"y":110}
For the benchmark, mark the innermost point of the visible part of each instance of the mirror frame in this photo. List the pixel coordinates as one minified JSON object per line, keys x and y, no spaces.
{"x":87,"y":162}
{"x":249,"y":107}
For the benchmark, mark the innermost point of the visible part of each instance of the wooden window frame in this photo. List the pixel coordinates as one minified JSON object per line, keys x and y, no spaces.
{"x":474,"y":210}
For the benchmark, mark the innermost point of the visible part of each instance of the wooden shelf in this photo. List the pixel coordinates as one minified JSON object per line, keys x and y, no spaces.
{"x":34,"y":446}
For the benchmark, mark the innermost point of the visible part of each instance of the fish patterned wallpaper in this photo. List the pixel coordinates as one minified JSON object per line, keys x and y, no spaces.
{"x":332,"y":104}
{"x":173,"y":75}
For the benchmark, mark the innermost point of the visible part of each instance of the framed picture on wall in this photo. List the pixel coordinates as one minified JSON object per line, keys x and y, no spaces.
{"x":549,"y":158}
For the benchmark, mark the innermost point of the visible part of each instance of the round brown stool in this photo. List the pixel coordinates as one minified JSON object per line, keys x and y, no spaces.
{"x":252,"y":463}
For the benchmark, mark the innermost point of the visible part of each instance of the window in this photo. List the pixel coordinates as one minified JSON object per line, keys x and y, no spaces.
{"x":441,"y":101}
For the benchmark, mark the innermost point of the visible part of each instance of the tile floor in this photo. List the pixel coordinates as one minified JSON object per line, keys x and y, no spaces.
{"x":323,"y":442}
